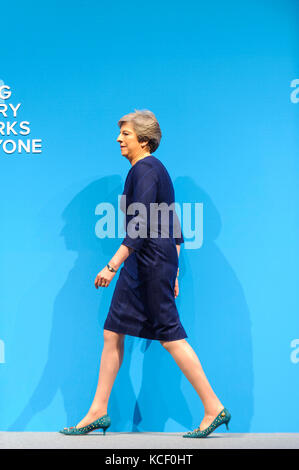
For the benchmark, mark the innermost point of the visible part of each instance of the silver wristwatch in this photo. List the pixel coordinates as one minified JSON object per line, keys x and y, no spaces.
{"x":111,"y":269}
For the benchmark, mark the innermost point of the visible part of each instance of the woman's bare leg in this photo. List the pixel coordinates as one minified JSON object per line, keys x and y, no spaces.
{"x":111,"y":360}
{"x":188,"y":362}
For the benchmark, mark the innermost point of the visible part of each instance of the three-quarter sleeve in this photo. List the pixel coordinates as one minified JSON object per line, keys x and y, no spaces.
{"x":178,"y":230}
{"x":145,"y":187}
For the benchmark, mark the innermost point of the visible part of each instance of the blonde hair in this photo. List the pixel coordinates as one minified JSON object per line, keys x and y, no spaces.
{"x":146,"y":127}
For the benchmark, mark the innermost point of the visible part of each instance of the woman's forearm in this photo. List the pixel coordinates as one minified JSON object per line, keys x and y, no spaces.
{"x":178,"y":247}
{"x":120,"y":256}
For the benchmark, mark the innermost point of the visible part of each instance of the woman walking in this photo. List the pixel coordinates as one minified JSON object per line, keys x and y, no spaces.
{"x":143,"y":302}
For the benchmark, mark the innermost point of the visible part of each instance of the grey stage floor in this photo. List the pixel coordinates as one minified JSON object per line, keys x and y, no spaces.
{"x":146,"y":440}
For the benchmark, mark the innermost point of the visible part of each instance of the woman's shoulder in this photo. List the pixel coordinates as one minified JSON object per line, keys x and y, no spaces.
{"x":150,"y":165}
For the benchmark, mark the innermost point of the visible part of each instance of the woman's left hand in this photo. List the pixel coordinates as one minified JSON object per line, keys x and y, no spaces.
{"x":176,"y":288}
{"x":104,"y":278}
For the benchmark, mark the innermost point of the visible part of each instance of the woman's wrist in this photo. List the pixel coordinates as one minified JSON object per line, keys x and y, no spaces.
{"x":111,"y":268}
{"x":113,"y":264}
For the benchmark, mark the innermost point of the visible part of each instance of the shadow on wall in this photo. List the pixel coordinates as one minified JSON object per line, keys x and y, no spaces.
{"x":215,"y":315}
{"x":149,"y":390}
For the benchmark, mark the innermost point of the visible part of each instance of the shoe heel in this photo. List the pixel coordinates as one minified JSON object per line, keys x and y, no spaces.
{"x":104,"y":430}
{"x":226,"y":423}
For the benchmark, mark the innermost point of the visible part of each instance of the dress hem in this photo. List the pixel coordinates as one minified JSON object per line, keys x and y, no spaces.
{"x":144,"y":337}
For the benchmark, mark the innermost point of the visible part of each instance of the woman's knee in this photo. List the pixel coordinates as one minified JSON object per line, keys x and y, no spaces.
{"x":112,"y":338}
{"x":166,"y":344}
{"x":171,"y":345}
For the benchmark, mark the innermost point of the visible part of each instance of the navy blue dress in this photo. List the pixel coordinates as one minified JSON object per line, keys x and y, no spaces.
{"x":143,"y":302}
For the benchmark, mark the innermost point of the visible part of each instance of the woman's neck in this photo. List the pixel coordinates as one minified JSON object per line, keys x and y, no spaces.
{"x":139,"y":157}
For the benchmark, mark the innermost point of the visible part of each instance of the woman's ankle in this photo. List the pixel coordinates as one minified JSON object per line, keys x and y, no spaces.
{"x":214,"y":410}
{"x":97,"y":412}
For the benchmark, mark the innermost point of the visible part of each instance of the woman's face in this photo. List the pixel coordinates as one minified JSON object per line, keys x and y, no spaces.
{"x":129,"y":145}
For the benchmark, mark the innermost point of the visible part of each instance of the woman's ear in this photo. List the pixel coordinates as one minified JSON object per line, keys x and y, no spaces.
{"x":146,"y":146}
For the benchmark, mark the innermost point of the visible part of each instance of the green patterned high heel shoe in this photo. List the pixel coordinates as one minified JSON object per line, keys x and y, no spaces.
{"x":222,"y":418}
{"x":101,"y":423}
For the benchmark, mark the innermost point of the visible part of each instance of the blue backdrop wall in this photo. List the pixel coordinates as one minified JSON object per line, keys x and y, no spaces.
{"x":222,"y":79}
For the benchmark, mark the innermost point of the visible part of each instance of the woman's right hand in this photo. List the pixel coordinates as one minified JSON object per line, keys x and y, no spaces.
{"x":104,"y":278}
